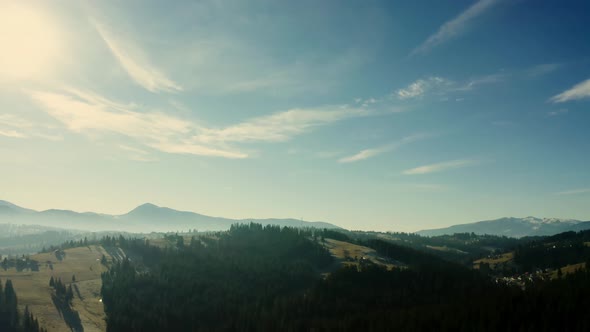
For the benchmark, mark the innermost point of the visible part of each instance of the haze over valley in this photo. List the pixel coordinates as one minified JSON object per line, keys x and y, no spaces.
{"x":145,"y":218}
{"x":226,"y":165}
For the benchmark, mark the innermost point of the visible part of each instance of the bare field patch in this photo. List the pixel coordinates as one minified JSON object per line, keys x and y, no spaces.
{"x":351,"y":254}
{"x":32,"y":287}
{"x":493,"y":261}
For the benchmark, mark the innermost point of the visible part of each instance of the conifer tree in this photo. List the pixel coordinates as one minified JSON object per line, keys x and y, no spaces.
{"x":11,"y":303}
{"x":27,"y":319}
{"x":69,"y":294}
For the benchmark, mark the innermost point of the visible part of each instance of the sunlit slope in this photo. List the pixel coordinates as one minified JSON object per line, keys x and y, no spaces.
{"x":32,"y":288}
{"x":352,"y":254}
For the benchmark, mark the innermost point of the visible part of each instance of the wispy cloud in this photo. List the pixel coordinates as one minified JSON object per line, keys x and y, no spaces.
{"x":14,"y":121}
{"x":420,"y":87}
{"x":578,"y":91}
{"x":454,"y":27}
{"x":282,"y":125}
{"x":365,"y":154}
{"x":543,"y":69}
{"x":17,"y":127}
{"x":574,"y":192}
{"x":12,"y":133}
{"x":481,"y":80}
{"x":369,"y":153}
{"x":137,"y":154}
{"x":93,"y":115}
{"x":558,"y":112}
{"x":435,"y":85}
{"x":439,"y":167}
{"x":11,"y":126}
{"x":135,"y":63}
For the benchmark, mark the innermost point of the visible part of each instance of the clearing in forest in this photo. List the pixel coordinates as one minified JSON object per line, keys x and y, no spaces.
{"x":353,"y":254}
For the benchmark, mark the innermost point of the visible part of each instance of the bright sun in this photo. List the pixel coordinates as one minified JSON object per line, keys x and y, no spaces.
{"x":29,"y":42}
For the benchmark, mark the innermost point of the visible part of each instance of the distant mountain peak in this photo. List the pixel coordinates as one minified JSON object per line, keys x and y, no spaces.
{"x":146,"y":217}
{"x":7,"y":203}
{"x":145,"y":207}
{"x":512,"y":226}
{"x":10,"y":206}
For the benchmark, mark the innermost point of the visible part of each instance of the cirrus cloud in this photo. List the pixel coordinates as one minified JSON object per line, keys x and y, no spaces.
{"x":578,"y":91}
{"x":439,"y":167}
{"x":134,"y":62}
{"x":574,"y":192}
{"x":420,"y":87}
{"x":369,"y":153}
{"x":456,"y":26}
{"x":93,"y":115}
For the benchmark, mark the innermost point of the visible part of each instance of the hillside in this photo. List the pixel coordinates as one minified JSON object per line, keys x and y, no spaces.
{"x":268,"y":278}
{"x":32,"y":287}
{"x":258,"y":278}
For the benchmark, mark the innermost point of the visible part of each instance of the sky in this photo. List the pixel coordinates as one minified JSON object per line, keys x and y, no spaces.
{"x":372,"y":115}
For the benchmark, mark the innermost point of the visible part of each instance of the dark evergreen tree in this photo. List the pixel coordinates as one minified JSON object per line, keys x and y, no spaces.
{"x":69,"y":296}
{"x":27,"y":319}
{"x":11,"y":303}
{"x":255,"y":278}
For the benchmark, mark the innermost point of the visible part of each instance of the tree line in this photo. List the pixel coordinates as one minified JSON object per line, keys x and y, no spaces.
{"x":255,"y":278}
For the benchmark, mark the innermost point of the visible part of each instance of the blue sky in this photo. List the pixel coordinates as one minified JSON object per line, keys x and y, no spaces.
{"x":384,"y":115}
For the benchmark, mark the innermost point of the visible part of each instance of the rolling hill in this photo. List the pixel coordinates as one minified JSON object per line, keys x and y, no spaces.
{"x":143,"y":219}
{"x":513,"y":227}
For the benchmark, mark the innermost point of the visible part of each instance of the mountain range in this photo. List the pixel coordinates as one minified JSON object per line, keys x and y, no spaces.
{"x":152,"y":218}
{"x":513,"y":227}
{"x":143,"y":219}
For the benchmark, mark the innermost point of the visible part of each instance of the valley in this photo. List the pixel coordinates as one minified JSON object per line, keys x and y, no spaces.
{"x":315,"y":259}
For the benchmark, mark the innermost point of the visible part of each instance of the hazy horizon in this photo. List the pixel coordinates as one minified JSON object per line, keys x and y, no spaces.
{"x":409,"y":229}
{"x":382,"y":115}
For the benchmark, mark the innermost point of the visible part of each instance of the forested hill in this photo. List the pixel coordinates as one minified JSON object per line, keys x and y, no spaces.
{"x":210,"y":283}
{"x":554,"y":251}
{"x":255,"y":278}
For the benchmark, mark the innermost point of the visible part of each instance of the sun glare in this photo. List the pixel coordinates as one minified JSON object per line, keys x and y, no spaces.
{"x":29,"y":42}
